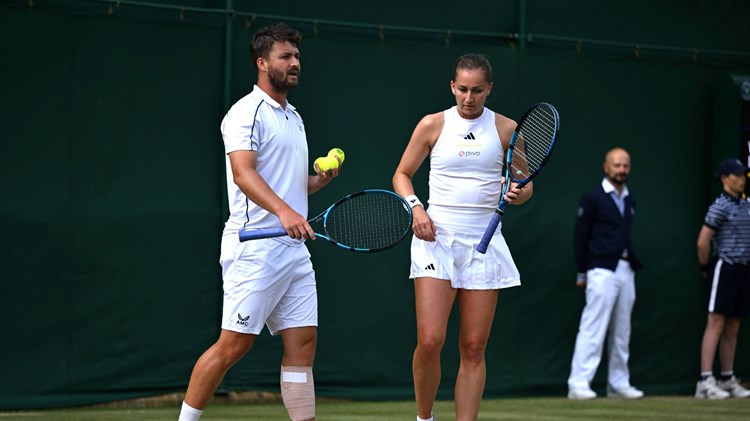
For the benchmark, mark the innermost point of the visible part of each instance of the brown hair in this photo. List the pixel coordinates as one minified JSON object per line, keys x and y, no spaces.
{"x":474,"y":62}
{"x":264,"y":39}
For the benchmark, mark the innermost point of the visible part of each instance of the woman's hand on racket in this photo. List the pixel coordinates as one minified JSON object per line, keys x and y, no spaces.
{"x":516,"y":196}
{"x":422,"y":224}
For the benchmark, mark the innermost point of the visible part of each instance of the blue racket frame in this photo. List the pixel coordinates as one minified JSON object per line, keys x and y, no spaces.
{"x":500,"y":211}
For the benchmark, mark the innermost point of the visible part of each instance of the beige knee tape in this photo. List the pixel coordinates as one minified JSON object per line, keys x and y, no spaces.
{"x":298,"y":392}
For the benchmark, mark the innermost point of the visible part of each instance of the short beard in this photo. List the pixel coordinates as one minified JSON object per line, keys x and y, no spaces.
{"x":616,"y":180}
{"x":280,"y":82}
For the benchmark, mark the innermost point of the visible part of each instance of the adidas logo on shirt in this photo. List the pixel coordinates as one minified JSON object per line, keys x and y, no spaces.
{"x":430,"y":267}
{"x":470,"y":136}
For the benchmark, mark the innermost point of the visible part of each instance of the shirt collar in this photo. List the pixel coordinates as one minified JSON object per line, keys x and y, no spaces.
{"x":730,"y":197}
{"x":609,"y":188}
{"x":272,"y":102}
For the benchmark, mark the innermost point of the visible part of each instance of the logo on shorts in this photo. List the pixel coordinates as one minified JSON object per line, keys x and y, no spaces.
{"x":430,"y":267}
{"x":242,"y":320}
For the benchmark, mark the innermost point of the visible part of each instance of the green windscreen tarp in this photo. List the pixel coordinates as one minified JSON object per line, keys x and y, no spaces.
{"x":112,"y":191}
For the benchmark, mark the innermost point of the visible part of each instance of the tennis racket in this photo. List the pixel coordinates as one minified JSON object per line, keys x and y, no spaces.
{"x":366,"y":222}
{"x":530,"y":148}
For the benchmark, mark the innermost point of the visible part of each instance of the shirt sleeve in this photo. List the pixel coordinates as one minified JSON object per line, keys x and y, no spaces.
{"x":241,"y":130}
{"x":715,"y":216}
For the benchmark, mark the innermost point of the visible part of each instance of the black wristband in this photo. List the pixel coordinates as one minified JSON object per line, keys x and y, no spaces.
{"x":704,"y":268}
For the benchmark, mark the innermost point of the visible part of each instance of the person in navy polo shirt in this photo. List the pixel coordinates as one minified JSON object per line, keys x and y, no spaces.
{"x":727,"y":226}
{"x":606,"y":264}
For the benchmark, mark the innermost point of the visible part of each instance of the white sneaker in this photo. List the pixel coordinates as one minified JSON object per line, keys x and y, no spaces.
{"x":629,"y":392}
{"x":707,"y":389}
{"x":734,"y":387}
{"x":581,"y":394}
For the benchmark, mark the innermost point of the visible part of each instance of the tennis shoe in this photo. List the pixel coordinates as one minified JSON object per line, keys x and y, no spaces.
{"x":707,"y":389}
{"x":734,"y":387}
{"x":581,"y":394}
{"x":629,"y":392}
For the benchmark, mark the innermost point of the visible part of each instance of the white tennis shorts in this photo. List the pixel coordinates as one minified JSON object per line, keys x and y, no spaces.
{"x":267,"y":282}
{"x":453,"y":256}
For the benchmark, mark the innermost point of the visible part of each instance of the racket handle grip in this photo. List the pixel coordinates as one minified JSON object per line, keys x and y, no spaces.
{"x":490,"y":231}
{"x":257,"y":234}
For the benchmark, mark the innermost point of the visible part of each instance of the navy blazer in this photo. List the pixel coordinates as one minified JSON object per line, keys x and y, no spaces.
{"x":601,"y":233}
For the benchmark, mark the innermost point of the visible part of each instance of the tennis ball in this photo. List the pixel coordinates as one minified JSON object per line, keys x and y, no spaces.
{"x":337,"y":152}
{"x":326,"y":163}
{"x":322,"y":163}
{"x":332,"y":162}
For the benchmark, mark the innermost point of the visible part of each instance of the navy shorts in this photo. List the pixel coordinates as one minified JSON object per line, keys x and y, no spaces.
{"x":728,"y":288}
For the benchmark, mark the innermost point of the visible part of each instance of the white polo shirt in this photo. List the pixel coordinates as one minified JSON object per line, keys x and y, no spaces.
{"x":258,"y":123}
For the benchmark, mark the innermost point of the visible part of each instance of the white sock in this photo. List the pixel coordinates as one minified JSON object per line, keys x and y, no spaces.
{"x":432,"y":418}
{"x":188,"y":413}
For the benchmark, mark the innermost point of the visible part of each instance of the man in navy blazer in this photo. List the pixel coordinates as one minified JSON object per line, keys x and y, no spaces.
{"x":606,"y":264}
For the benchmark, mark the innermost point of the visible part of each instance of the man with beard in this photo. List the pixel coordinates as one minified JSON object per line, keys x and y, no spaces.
{"x":606,"y":263}
{"x":270,"y":281}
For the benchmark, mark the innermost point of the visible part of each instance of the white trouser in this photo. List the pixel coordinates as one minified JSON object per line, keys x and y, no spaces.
{"x":609,"y":303}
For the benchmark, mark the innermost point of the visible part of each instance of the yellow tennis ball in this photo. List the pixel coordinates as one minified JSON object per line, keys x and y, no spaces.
{"x":322,"y":163}
{"x":326,"y":163}
{"x":332,"y":162}
{"x":337,"y":152}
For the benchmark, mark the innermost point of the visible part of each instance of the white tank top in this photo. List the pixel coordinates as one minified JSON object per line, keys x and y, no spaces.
{"x":466,"y":163}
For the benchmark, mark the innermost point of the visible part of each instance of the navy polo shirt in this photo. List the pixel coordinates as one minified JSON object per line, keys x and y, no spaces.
{"x":730,"y":218}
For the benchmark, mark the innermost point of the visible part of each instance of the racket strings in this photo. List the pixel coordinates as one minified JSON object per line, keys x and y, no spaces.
{"x":369,"y":221}
{"x":535,"y":138}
